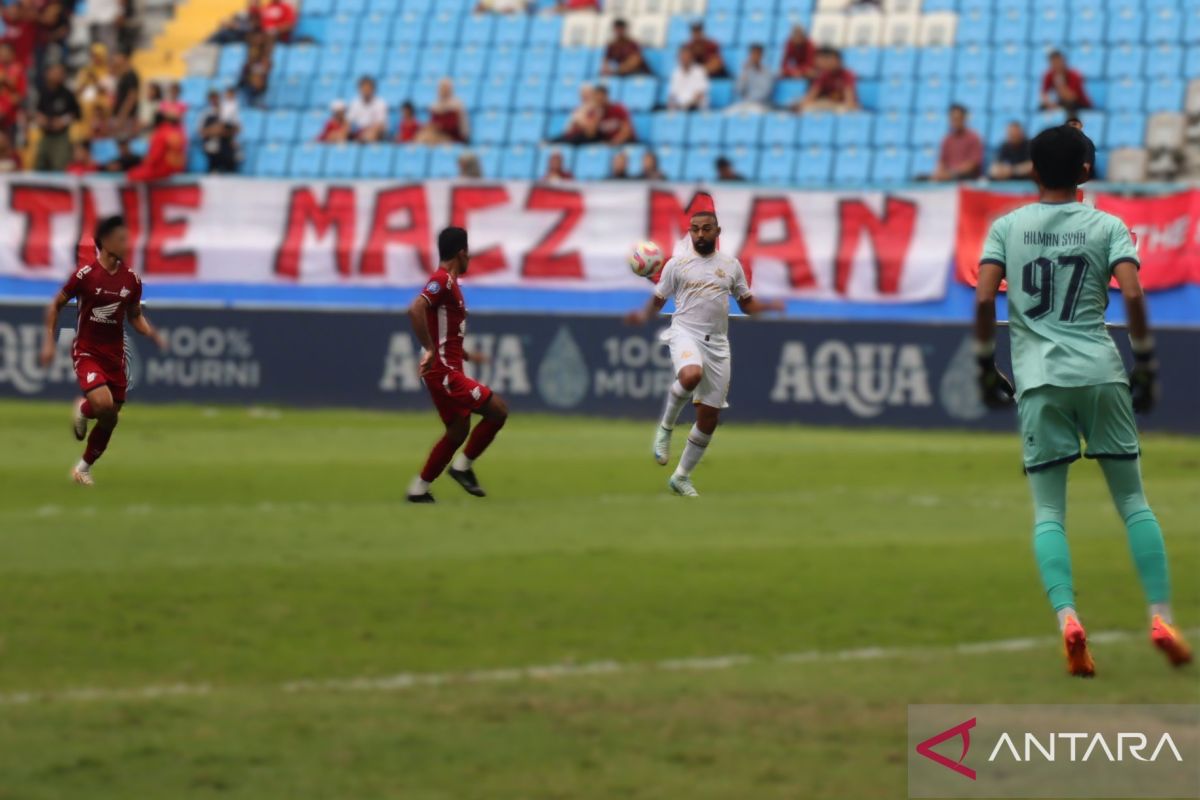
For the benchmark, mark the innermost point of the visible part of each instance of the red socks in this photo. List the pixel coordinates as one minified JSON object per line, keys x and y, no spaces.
{"x":86,"y":409}
{"x":439,"y":457}
{"x":481,"y":437}
{"x":97,"y":443}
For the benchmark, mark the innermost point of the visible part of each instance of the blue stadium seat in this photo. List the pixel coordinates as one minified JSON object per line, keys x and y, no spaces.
{"x":490,"y":158}
{"x":1049,"y":26}
{"x":704,"y":128}
{"x":1125,"y":24}
{"x":1127,"y":94}
{"x":230,"y":61}
{"x":351,"y":7}
{"x":852,"y":166}
{"x":1126,"y":129}
{"x":1041,"y":120}
{"x":312,"y":122}
{"x":899,"y":62}
{"x":307,"y":160}
{"x":896,"y":93}
{"x":411,"y":161}
{"x":368,"y":60}
{"x":788,"y":91}
{"x":1088,"y":58}
{"x":974,"y":25}
{"x":104,"y":150}
{"x":576,"y":61}
{"x":1191,"y":28}
{"x":924,"y":161}
{"x":973,"y":60}
{"x":1164,"y":94}
{"x":254,"y":124}
{"x":1010,"y":59}
{"x":1011,"y":25}
{"x":890,"y":166}
{"x":511,"y":30}
{"x":272,"y":160}
{"x":593,"y":162}
{"x":527,"y":127}
{"x":334,"y":61}
{"x":564,"y":93}
{"x":315,"y":8}
{"x":302,"y":60}
{"x":477,"y":30}
{"x":538,"y":61}
{"x":816,"y":129}
{"x":745,"y":161}
{"x":341,"y":161}
{"x":442,"y":29}
{"x":1010,"y":94}
{"x":401,"y":60}
{"x":720,"y":93}
{"x":755,"y":27}
{"x":1164,"y":60}
{"x":373,"y":31}
{"x":853,"y":129}
{"x":435,"y":60}
{"x":1191,"y":66}
{"x":496,"y":92}
{"x":928,"y":129}
{"x":933,"y":94}
{"x":1086,"y":25}
{"x":936,"y":62}
{"x":670,"y":161}
{"x":545,"y":30}
{"x":996,"y":130}
{"x":518,"y":162}
{"x":533,"y":92}
{"x":1165,"y":24}
{"x":1124,"y":61}
{"x":780,"y":129}
{"x":975,"y":93}
{"x":669,"y":128}
{"x":491,"y":127}
{"x":892,"y":129}
{"x":862,"y":61}
{"x":471,"y":61}
{"x":282,"y":126}
{"x":443,"y":161}
{"x":776,"y":165}
{"x":341,"y":30}
{"x":408,"y":28}
{"x":743,"y":130}
{"x":814,"y":166}
{"x":639,"y":93}
{"x":393,"y":88}
{"x":1095,"y":125}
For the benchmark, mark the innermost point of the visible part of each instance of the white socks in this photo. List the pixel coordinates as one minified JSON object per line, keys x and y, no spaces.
{"x":697,"y":443}
{"x":418,"y":486}
{"x":462,"y":463}
{"x":83,"y":466}
{"x":1063,"y":613}
{"x":677,"y":396}
{"x":1162,"y":610}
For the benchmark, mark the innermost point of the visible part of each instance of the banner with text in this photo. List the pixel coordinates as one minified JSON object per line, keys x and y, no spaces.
{"x":861,"y":246}
{"x":783,"y":371}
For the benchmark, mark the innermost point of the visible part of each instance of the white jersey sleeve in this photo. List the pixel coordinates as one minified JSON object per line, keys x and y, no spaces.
{"x":667,"y":282}
{"x":741,"y":287}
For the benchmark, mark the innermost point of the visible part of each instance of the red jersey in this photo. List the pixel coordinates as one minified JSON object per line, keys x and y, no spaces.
{"x":446,"y":320}
{"x":612,"y":119}
{"x":1073,"y":80}
{"x":104,"y":302}
{"x":834,"y":85}
{"x":167,"y":155}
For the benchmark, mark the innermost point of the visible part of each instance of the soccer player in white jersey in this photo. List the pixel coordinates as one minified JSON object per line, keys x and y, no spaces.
{"x":701,"y":282}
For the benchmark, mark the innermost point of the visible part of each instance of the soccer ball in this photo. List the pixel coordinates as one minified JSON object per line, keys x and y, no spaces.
{"x":646,"y":259}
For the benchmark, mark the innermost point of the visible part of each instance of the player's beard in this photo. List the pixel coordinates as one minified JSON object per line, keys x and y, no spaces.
{"x":704,"y":247}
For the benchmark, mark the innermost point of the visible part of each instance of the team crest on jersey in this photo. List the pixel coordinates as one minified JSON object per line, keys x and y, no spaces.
{"x":124,"y":293}
{"x":433,"y":287}
{"x":720,"y":273}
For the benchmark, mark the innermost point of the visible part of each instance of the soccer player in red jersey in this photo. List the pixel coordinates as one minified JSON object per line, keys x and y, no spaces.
{"x":439,"y":320}
{"x":108,"y":293}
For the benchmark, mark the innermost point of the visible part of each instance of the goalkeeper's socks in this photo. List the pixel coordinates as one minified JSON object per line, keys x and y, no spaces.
{"x":1054,"y":563}
{"x":1149,"y":555}
{"x":1063,"y":614}
{"x":1162,"y":610}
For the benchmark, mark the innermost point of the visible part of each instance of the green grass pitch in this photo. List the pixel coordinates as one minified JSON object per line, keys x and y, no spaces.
{"x":208,"y":620}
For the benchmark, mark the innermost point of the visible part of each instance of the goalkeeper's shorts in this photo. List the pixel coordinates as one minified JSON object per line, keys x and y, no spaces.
{"x":1054,"y":418}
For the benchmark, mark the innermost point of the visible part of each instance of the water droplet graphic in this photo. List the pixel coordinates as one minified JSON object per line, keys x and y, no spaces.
{"x":959,"y":390}
{"x":562,"y":377}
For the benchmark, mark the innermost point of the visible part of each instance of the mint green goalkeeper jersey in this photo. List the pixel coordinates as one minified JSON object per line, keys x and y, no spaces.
{"x":1058,"y":259}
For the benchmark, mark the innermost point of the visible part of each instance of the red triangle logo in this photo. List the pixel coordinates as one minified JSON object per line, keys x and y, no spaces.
{"x":963,"y":730}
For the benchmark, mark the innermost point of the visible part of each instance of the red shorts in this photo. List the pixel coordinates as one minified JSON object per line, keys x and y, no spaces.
{"x":93,"y":373}
{"x":455,"y":395}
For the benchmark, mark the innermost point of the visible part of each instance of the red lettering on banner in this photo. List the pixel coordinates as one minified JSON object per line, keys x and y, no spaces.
{"x":415,"y":234}
{"x":305,"y":211}
{"x":789,"y":249}
{"x":39,"y":204}
{"x":977,"y":210}
{"x":1163,"y":227}
{"x":464,"y":200}
{"x":890,"y":238}
{"x":167,"y":227}
{"x":670,"y":220}
{"x":544,"y":260}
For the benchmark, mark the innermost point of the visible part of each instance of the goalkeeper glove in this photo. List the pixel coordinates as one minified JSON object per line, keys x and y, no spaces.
{"x":995,"y":388}
{"x":1143,"y":380}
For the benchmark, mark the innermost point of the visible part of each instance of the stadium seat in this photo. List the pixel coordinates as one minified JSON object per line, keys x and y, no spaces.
{"x":518,"y":162}
{"x":1010,"y":94}
{"x":780,"y":129}
{"x":230,"y":61}
{"x":933,"y":94}
{"x":892,"y":129}
{"x":704,"y":129}
{"x":670,"y":161}
{"x":936,"y":62}
{"x":368,"y":60}
{"x":564,"y":92}
{"x":972,"y":61}
{"x":341,"y":161}
{"x":1164,"y":25}
{"x":496,"y":92}
{"x":776,"y":165}
{"x":1165,"y":60}
{"x":639,"y":93}
{"x":1164,"y":94}
{"x":813,"y":166}
{"x":890,"y":166}
{"x":491,"y":127}
{"x":593,"y":162}
{"x":899,"y":62}
{"x":974,"y":93}
{"x":373,"y":31}
{"x":700,"y":163}
{"x":743,"y":130}
{"x":924,"y":161}
{"x":862,"y":61}
{"x":928,"y":128}
{"x":1126,"y":129}
{"x":272,"y":160}
{"x":1049,"y":26}
{"x":896,"y":93}
{"x":254,"y":124}
{"x":1125,"y":24}
{"x":282,"y":126}
{"x":1124,"y":61}
{"x":1010,"y":60}
{"x":511,"y":30}
{"x":543,"y":159}
{"x":853,"y":130}
{"x":312,"y":122}
{"x":1086,"y":24}
{"x":412,"y":162}
{"x":852,"y":167}
{"x":307,"y":160}
{"x":669,"y":128}
{"x":477,"y":30}
{"x":816,"y":129}
{"x":532,"y":93}
{"x":975,"y":25}
{"x":408,"y":29}
{"x":1011,"y":25}
{"x":1127,"y":94}
{"x":788,"y":91}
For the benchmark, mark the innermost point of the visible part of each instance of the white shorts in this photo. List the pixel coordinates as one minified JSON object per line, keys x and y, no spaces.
{"x":714,"y":364}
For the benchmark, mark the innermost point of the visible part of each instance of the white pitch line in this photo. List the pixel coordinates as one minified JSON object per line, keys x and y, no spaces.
{"x":404,"y":681}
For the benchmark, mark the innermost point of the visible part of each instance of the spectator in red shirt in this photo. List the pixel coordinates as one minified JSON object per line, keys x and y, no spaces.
{"x":706,"y":52}
{"x":409,"y":125}
{"x":81,"y":160}
{"x":833,"y":87}
{"x":563,"y":6}
{"x":337,"y":127}
{"x":615,"y":126}
{"x":961,"y":157}
{"x":276,"y":19}
{"x":447,"y":118}
{"x":555,"y":170}
{"x":623,"y":56}
{"x":1062,"y":87}
{"x":21,"y":23}
{"x":12,"y":88}
{"x":800,"y":57}
{"x":583,"y":124}
{"x":167,"y":155}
